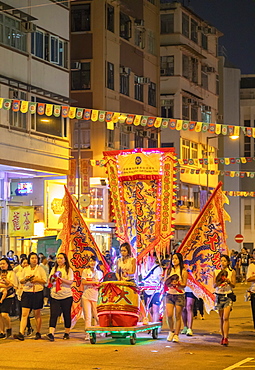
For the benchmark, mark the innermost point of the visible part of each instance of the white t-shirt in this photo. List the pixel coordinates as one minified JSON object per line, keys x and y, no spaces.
{"x":91,"y":291}
{"x":251,"y":272}
{"x":39,"y":272}
{"x":65,"y":291}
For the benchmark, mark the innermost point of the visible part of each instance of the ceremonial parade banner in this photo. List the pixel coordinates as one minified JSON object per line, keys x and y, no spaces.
{"x":142,"y":185}
{"x":79,"y":245}
{"x":203,"y":245}
{"x":21,"y":221}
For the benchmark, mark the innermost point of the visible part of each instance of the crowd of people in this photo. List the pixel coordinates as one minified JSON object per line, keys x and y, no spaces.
{"x":32,"y":282}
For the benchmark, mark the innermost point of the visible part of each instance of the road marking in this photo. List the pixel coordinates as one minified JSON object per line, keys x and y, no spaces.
{"x":239,"y":363}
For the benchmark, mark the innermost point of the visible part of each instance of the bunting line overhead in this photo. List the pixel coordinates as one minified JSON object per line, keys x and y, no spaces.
{"x":130,"y":119}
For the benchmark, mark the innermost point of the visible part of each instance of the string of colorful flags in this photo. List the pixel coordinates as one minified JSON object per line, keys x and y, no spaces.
{"x":234,"y":193}
{"x":113,"y":117}
{"x":202,"y":171}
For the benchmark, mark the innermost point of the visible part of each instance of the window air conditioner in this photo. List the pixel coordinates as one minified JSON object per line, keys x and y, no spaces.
{"x":28,"y":27}
{"x":139,"y":23}
{"x":75,"y":66}
{"x":143,"y":80}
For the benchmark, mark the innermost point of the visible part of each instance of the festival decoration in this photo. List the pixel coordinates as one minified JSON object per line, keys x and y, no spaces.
{"x":142,"y":184}
{"x":56,"y":277}
{"x":21,"y":221}
{"x":203,"y":245}
{"x":127,"y":118}
{"x":79,"y":245}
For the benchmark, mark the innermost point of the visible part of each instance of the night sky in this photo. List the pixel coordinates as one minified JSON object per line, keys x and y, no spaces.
{"x":236,"y":19}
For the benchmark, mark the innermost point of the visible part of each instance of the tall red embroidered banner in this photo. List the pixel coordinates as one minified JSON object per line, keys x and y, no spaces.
{"x":203,"y":245}
{"x":79,"y":245}
{"x":142,"y":184}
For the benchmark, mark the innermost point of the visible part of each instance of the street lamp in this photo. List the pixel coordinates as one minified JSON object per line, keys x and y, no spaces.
{"x":232,"y":137}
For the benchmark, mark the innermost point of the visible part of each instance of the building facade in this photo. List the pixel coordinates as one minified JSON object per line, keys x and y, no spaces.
{"x":34,"y":68}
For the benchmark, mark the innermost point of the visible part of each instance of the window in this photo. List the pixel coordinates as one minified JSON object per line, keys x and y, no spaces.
{"x":80,"y":80}
{"x":189,"y":149}
{"x":185,"y":66}
{"x":167,"y":23}
{"x":110,"y":139}
{"x":204,"y":41}
{"x":81,"y":134}
{"x":138,"y":90}
{"x":204,"y":80}
{"x":125,"y":26}
{"x":193,"y":150}
{"x":194,"y":70}
{"x":167,"y":108}
{"x":11,"y":34}
{"x":185,"y":24}
{"x":185,"y":108}
{"x":110,"y":76}
{"x":50,"y":48}
{"x":167,"y":66}
{"x":124,"y":84}
{"x":110,"y":18}
{"x":247,"y":216}
{"x":247,"y":140}
{"x":139,"y":38}
{"x":217,"y":85}
{"x":139,"y":140}
{"x":124,"y":140}
{"x":48,"y":125}
{"x":151,"y":42}
{"x":17,"y":119}
{"x":152,"y":98}
{"x":80,"y":18}
{"x":194,"y":27}
{"x":194,"y":112}
{"x":206,"y":114}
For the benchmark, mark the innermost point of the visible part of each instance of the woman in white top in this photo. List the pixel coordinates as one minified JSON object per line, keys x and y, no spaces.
{"x":90,"y":279}
{"x":33,"y":278}
{"x":176,"y":281}
{"x":10,"y":283}
{"x":224,"y":281}
{"x":126,"y":265}
{"x":60,"y":281}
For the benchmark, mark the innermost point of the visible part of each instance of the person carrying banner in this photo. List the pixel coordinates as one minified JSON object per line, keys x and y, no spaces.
{"x":60,"y":281}
{"x":224,"y":280}
{"x":90,"y":279}
{"x":175,"y":281}
{"x":126,"y":265}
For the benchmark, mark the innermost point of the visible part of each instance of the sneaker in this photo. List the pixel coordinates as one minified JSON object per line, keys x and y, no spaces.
{"x":189,"y":332}
{"x":18,"y":336}
{"x":87,"y":336}
{"x":202,"y":317}
{"x":8,"y":333}
{"x":225,"y":342}
{"x":176,"y":338}
{"x":184,"y":330}
{"x":221,"y":342}
{"x":170,"y":336}
{"x":50,"y":337}
{"x":66,"y":336}
{"x":38,"y":336}
{"x":2,"y":335}
{"x":30,"y":332}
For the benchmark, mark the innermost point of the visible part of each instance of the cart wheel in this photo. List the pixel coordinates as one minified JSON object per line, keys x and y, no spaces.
{"x":93,"y":338}
{"x":133,"y":338}
{"x":155,"y":333}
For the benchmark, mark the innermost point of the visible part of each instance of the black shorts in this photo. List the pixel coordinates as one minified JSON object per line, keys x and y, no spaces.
{"x":155,"y":299}
{"x":190,"y":295}
{"x":34,"y":301}
{"x":6,"y":305}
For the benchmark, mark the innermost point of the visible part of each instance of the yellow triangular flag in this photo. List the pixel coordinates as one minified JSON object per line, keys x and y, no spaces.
{"x":94,"y":115}
{"x":157,"y":122}
{"x":236,"y":130}
{"x":72,"y":112}
{"x":253,"y":132}
{"x":243,"y":160}
{"x":137,"y":120}
{"x":115,"y":117}
{"x":227,"y":161}
{"x":49,"y":110}
{"x":1,"y":102}
{"x":179,"y":124}
{"x":24,"y":106}
{"x":217,"y":128}
{"x":198,"y":126}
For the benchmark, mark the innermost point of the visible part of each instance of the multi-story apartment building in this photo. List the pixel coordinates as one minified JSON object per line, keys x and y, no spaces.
{"x":189,"y":89}
{"x":114,"y":67}
{"x":247,"y":149}
{"x":34,"y":67}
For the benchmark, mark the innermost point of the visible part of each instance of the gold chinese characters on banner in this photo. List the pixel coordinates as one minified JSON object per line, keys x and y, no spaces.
{"x":21,"y":221}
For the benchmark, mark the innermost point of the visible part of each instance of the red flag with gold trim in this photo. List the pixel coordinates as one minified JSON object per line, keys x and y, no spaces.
{"x":203,"y":245}
{"x":79,"y":245}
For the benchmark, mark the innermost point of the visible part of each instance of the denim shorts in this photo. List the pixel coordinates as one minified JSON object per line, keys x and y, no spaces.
{"x":222,"y":302}
{"x":176,"y":299}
